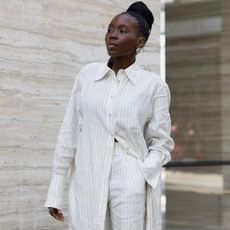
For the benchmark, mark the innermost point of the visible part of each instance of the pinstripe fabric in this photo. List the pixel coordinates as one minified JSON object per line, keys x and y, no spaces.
{"x":132,"y":107}
{"x":127,"y":188}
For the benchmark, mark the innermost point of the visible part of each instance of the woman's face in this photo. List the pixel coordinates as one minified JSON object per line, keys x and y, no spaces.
{"x":122,"y":37}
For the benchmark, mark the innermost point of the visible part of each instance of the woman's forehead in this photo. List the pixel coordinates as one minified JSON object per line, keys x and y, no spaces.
{"x":124,"y":19}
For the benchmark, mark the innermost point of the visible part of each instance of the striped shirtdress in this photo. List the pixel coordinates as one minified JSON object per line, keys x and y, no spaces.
{"x":109,"y":179}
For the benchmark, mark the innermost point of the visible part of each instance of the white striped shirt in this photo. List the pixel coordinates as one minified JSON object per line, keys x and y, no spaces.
{"x":132,"y":107}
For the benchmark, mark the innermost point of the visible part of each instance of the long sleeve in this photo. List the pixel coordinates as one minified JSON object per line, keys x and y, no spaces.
{"x":65,"y":149}
{"x":157,"y":136}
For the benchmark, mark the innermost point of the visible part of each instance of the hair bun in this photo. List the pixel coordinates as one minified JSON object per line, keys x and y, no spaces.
{"x":142,"y":10}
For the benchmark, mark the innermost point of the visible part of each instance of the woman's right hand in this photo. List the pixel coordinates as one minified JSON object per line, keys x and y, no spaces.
{"x":55,"y":213}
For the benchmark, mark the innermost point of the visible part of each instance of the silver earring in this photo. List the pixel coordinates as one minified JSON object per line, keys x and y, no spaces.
{"x":138,"y":50}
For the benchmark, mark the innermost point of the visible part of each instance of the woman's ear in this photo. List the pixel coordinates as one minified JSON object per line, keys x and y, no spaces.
{"x":141,"y":42}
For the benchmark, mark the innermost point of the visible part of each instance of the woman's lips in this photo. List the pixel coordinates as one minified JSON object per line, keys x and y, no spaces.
{"x":111,"y":45}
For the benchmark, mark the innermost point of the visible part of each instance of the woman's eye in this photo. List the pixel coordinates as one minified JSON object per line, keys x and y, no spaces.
{"x":109,"y":30}
{"x":123,"y":31}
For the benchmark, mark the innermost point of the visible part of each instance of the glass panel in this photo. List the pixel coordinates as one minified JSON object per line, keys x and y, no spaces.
{"x":197,"y":71}
{"x":193,"y":74}
{"x":197,"y":200}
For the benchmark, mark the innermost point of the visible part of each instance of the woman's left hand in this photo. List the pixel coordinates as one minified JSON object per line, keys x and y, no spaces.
{"x":56,"y":214}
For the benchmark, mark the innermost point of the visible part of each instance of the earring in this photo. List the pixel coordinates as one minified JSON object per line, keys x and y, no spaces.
{"x":138,"y":50}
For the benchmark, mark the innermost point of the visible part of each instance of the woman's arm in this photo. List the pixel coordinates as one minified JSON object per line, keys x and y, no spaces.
{"x":157,"y":136}
{"x":65,"y":149}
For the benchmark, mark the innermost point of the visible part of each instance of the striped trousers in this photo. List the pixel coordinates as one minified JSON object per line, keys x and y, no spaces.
{"x":127,"y":193}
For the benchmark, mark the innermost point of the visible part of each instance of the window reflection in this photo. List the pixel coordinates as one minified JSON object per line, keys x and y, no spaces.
{"x":197,"y":71}
{"x":185,"y":133}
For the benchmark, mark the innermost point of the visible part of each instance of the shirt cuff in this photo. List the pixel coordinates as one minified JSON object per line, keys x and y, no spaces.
{"x":55,"y":193}
{"x":151,"y":168}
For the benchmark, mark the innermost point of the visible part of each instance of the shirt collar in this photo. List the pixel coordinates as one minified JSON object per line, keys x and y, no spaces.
{"x":132,"y":72}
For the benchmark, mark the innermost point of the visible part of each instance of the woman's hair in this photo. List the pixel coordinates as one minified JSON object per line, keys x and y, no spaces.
{"x":144,"y":17}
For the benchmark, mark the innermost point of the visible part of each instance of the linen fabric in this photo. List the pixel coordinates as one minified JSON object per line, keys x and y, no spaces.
{"x":127,"y":191}
{"x":133,"y":107}
{"x":126,"y":194}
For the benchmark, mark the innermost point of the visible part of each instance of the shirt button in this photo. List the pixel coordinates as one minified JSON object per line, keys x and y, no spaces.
{"x":111,"y":96}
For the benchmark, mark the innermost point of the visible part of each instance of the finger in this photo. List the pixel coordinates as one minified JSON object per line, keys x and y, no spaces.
{"x":60,"y":216}
{"x":53,"y":213}
{"x":57,"y":214}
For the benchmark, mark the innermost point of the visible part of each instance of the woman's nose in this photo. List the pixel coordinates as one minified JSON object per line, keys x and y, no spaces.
{"x":113,"y":34}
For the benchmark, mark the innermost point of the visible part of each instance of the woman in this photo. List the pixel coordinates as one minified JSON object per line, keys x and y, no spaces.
{"x":115,"y":136}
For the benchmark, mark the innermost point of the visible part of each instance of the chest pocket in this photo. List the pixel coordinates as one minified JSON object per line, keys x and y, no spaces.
{"x":134,"y":111}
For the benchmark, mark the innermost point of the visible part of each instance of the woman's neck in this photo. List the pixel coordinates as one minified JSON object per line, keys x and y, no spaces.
{"x":121,"y":63}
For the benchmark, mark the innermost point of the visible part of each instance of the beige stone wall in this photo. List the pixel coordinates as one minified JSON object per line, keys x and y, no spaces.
{"x":43,"y":44}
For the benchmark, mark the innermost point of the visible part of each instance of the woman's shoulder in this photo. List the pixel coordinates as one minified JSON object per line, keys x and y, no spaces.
{"x":88,"y":71}
{"x":152,"y":77}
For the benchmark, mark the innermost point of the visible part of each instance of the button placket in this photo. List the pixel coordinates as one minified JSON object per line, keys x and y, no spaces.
{"x":110,"y":107}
